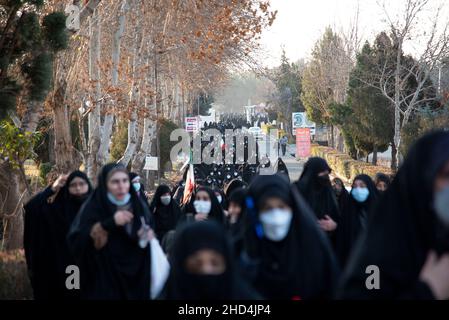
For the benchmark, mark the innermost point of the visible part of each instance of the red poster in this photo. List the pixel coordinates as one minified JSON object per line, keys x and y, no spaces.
{"x":303,"y":143}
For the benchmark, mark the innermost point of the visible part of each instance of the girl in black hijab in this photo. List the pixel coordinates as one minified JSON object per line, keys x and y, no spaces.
{"x":235,"y":219}
{"x":202,"y":266}
{"x":221,"y":198}
{"x":382,"y":182}
{"x":342,"y":195}
{"x":109,"y":239}
{"x":46,"y":227}
{"x":314,"y":184}
{"x":165,"y":210}
{"x":234,"y":185}
{"x":407,"y":238}
{"x":291,"y":256}
{"x":140,"y":189}
{"x":204,"y":205}
{"x":354,"y":219}
{"x":282,"y":168}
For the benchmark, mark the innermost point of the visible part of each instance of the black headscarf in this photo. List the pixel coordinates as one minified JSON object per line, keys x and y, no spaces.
{"x":141,"y":192}
{"x":224,"y":203}
{"x":282,"y":168}
{"x":343,"y":197}
{"x":403,"y":228}
{"x":121,"y":269}
{"x":237,"y":229}
{"x":45,"y":231}
{"x":233,"y":185}
{"x":216,"y":212}
{"x":354,"y":219}
{"x":381,"y":177}
{"x":183,"y":285}
{"x":301,"y":266}
{"x":165,"y":217}
{"x":318,"y":192}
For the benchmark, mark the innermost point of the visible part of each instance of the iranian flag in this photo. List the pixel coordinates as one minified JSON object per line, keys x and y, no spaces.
{"x":190,"y":181}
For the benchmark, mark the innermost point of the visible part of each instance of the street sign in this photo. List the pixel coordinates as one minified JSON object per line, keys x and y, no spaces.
{"x":192,"y":124}
{"x":300,"y":120}
{"x":151,"y":164}
{"x":303,"y":144}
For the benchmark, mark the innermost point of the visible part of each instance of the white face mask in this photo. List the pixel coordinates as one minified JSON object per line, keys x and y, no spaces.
{"x":220,"y":199}
{"x":165,"y":200}
{"x":136,"y":186}
{"x":276,"y":223}
{"x":441,"y":205}
{"x":202,"y":207}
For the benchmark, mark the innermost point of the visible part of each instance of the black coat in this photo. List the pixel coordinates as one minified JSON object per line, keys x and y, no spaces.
{"x":302,"y":266}
{"x":121,"y":269}
{"x":165,"y":217}
{"x":45,"y":232}
{"x":182,"y":285}
{"x":403,"y":229}
{"x":354,"y":217}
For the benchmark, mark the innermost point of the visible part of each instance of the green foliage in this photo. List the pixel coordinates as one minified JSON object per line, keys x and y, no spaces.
{"x":204,"y":101}
{"x":166,"y":127}
{"x":287,"y":79}
{"x":368,"y":117}
{"x":16,"y":146}
{"x":29,"y":34}
{"x":30,"y":45}
{"x":42,"y":146}
{"x":424,"y":121}
{"x":55,"y":30}
{"x":37,"y":3}
{"x":39,"y":72}
{"x":318,"y":83}
{"x":8,"y":96}
{"x":44,"y":170}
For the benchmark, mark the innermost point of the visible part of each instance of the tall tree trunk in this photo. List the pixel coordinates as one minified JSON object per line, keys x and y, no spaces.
{"x":103,"y":152}
{"x":331,"y":136}
{"x":63,"y":147}
{"x":32,"y":116}
{"x":149,"y":129}
{"x":66,"y":156}
{"x":394,"y":163}
{"x":397,"y":101}
{"x":375,"y":156}
{"x":10,"y":207}
{"x":94,"y":118}
{"x":135,"y":98}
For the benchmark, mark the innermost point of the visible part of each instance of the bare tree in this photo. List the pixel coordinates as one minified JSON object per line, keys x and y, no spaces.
{"x":392,"y":79}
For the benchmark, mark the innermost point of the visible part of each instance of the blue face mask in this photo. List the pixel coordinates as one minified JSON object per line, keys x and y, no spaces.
{"x":136,"y":186}
{"x":119,"y":203}
{"x":360,"y":194}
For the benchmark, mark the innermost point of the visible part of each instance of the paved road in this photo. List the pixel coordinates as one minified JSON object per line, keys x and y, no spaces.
{"x":294,"y":167}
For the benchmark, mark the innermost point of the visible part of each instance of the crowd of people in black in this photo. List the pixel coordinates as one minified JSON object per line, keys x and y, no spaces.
{"x":261,"y":238}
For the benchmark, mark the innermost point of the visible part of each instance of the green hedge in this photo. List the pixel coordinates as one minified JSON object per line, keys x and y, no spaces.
{"x":346,"y":167}
{"x":14,"y":281}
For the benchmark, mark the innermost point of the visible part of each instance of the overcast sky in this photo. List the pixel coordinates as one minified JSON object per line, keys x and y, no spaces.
{"x":300,"y":23}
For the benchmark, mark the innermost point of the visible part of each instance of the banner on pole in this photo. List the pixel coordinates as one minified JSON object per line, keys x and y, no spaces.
{"x":300,"y":120}
{"x":151,"y":164}
{"x":192,"y":124}
{"x":303,"y":144}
